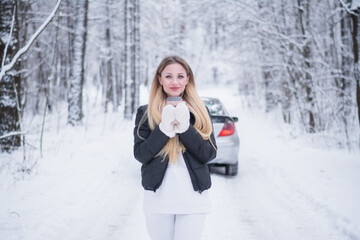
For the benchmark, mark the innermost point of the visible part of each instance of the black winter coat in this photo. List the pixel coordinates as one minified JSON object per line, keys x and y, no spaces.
{"x":148,"y":143}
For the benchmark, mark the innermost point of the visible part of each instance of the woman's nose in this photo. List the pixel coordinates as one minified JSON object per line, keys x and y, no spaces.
{"x":176,"y":80}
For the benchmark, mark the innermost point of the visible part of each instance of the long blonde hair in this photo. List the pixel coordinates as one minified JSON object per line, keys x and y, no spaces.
{"x":157,"y":102}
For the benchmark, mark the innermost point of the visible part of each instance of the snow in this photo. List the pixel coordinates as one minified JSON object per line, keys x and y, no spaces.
{"x":355,"y":4}
{"x":7,"y":101}
{"x":87,"y":185}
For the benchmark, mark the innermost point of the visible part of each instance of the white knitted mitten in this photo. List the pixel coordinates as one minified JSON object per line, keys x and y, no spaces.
{"x":167,"y":119}
{"x":182,"y":115}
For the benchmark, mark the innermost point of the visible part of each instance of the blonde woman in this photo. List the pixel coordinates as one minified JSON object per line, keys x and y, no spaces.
{"x":174,"y":140}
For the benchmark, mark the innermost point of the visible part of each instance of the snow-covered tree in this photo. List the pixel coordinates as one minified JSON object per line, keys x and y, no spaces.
{"x":10,"y":82}
{"x":354,"y":11}
{"x":132,"y":51}
{"x":298,"y":59}
{"x":77,"y":73}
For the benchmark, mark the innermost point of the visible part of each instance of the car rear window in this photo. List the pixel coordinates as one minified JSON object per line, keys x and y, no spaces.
{"x":215,"y":107}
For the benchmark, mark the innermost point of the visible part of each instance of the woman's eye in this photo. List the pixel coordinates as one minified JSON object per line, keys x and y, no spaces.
{"x":168,"y":76}
{"x":181,"y":76}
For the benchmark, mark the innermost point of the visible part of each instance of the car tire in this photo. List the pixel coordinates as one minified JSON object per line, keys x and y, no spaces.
{"x":231,"y":169}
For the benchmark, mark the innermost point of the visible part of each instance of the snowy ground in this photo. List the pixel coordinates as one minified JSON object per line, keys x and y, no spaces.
{"x":87,"y":186}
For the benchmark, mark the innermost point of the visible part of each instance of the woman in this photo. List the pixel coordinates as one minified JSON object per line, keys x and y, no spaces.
{"x":174,"y":140}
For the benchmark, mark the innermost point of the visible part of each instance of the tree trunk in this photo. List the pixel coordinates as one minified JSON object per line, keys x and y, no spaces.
{"x":306,"y":82}
{"x":268,"y":82}
{"x":286,"y":94}
{"x":129,"y":81}
{"x":137,"y":54}
{"x":133,"y":53}
{"x":10,"y":83}
{"x":75,"y":111}
{"x":111,"y":94}
{"x":356,"y":39}
{"x":343,"y":83}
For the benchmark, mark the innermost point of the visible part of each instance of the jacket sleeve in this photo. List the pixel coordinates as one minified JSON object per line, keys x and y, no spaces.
{"x":147,"y":142}
{"x":203,"y":150}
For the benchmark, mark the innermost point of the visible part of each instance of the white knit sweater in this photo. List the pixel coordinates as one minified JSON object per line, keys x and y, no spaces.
{"x":176,"y":194}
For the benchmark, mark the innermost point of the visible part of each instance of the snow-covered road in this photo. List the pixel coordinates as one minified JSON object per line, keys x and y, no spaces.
{"x":87,"y":186}
{"x":286,"y":189}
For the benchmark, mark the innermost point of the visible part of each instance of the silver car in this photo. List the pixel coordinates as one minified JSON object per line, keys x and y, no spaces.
{"x":227,"y":139}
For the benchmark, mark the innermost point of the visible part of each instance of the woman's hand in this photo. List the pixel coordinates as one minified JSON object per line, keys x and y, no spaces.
{"x":182,"y":116}
{"x":167,"y":120}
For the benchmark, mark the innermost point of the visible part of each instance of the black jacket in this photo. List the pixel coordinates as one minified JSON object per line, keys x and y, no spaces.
{"x":148,"y":143}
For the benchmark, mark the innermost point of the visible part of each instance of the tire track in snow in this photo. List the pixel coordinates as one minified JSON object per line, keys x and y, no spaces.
{"x":103,"y":206}
{"x":293,"y":192}
{"x":228,"y":219}
{"x":254,"y":206}
{"x":288,"y":212}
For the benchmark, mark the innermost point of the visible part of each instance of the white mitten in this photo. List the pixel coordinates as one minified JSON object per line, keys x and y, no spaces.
{"x":167,"y":119}
{"x":182,"y":115}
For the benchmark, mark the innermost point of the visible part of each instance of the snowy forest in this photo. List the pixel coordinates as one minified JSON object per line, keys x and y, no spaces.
{"x":299,"y":59}
{"x":73,"y":73}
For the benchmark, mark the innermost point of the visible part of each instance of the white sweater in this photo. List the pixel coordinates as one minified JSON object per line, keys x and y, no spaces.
{"x":176,"y":194}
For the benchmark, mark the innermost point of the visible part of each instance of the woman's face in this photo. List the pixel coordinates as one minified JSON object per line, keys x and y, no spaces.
{"x":174,"y":79}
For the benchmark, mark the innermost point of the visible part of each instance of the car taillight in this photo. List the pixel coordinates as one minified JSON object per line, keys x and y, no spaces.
{"x":228,"y":129}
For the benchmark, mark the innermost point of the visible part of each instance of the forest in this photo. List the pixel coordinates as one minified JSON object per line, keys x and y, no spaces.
{"x":297,"y":59}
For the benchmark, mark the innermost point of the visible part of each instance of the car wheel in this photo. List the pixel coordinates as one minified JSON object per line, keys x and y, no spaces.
{"x":231,"y":169}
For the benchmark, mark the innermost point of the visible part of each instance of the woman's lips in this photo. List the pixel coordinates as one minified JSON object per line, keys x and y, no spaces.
{"x":174,"y":88}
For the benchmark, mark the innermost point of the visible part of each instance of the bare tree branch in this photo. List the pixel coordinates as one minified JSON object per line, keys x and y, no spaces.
{"x":12,"y":134}
{"x":24,"y":49}
{"x":347,"y":7}
{"x":8,"y":42}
